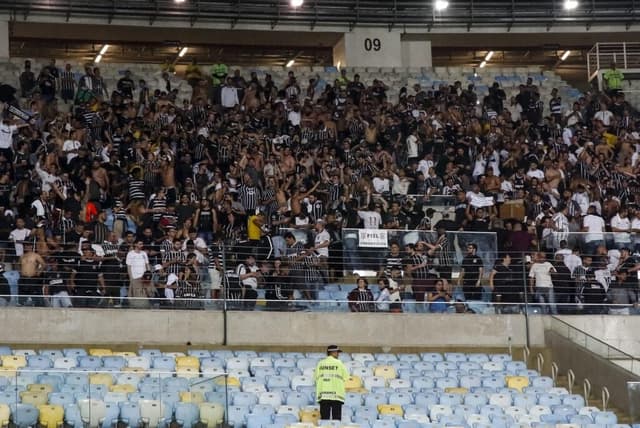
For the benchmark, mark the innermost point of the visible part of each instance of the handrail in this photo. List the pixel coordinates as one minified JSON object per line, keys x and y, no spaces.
{"x":540,"y":362}
{"x":586,"y":386}
{"x":605,"y":398}
{"x":571,"y":379}
{"x":525,"y":355}
{"x":617,"y":350}
{"x":554,"y":372}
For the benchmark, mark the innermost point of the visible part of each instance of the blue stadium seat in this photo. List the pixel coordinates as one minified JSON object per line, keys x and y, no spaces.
{"x":150,"y":353}
{"x":245,"y":399}
{"x":187,"y":414}
{"x":373,"y":399}
{"x":605,"y":418}
{"x":114,"y":361}
{"x":39,"y":362}
{"x":24,"y":415}
{"x":199,"y":353}
{"x":89,"y":362}
{"x":74,"y":352}
{"x":431,"y":357}
{"x":301,"y":399}
{"x":450,"y":399}
{"x":163,"y":363}
{"x":130,"y":413}
{"x":61,"y":399}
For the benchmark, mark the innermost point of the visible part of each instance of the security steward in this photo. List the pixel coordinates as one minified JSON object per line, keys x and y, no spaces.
{"x":330,"y":377}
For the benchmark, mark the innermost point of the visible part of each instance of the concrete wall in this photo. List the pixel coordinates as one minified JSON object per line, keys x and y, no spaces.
{"x":4,"y":39}
{"x":416,"y":54}
{"x":369,"y":47}
{"x":585,"y":364}
{"x":86,"y":326}
{"x":618,"y":331}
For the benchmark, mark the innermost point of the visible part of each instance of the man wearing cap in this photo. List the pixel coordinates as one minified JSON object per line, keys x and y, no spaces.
{"x":330,"y":377}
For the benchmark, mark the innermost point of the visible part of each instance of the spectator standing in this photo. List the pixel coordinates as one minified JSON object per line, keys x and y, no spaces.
{"x":621,"y":296}
{"x":248,"y":274}
{"x":330,"y":378}
{"x":137,"y":263}
{"x":541,"y":284}
{"x":471,"y":273}
{"x":505,"y":286}
{"x":361,"y":298}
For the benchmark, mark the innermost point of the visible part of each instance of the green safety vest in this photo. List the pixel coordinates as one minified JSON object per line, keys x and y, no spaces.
{"x":614,"y":79}
{"x":330,"y":377}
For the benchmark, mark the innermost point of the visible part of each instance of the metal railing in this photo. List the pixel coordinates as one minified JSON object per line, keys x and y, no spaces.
{"x":626,"y":55}
{"x":595,"y":345}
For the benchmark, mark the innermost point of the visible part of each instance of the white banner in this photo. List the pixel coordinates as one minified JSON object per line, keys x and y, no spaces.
{"x":373,"y":238}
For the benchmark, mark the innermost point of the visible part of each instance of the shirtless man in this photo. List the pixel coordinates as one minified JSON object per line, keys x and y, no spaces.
{"x":100,"y":176}
{"x":30,"y":283}
{"x":167,"y":167}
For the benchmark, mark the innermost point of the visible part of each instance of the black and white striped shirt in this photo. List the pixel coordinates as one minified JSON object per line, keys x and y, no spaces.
{"x":159,"y":204}
{"x":249,"y":197}
{"x":136,"y":189}
{"x":176,"y":259}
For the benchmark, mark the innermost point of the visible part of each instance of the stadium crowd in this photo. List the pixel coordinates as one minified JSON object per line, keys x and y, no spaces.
{"x":130,"y":190}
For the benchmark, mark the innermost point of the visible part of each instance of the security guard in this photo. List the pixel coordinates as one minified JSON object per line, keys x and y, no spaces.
{"x":330,"y":378}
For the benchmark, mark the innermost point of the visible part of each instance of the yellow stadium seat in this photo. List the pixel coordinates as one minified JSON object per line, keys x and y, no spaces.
{"x":101,"y":379}
{"x":51,"y":416}
{"x":100,"y":352}
{"x":40,"y":387}
{"x":7,"y":372}
{"x":187,"y":372}
{"x":125,"y":354}
{"x":34,"y":398}
{"x":14,"y":361}
{"x":387,"y":372}
{"x":211,"y":414}
{"x":310,"y":415}
{"x":5,"y":415}
{"x":455,"y":390}
{"x":192,"y":362}
{"x":517,"y":382}
{"x":301,"y":425}
{"x":231,"y":381}
{"x":390,"y":409}
{"x":353,"y":382}
{"x":192,"y":397}
{"x":133,"y":370}
{"x":123,"y":387}
{"x":361,"y":390}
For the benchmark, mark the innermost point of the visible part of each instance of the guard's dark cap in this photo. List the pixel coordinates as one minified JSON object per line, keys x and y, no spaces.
{"x":333,"y":348}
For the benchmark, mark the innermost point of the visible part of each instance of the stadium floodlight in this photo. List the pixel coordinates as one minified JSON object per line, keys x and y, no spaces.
{"x":179,"y":1}
{"x":571,"y":4}
{"x":440,"y":5}
{"x":183,"y":52}
{"x":565,"y":55}
{"x":296,"y":3}
{"x":489,"y":55}
{"x":290,"y":63}
{"x":98,"y":59}
{"x":483,"y":64}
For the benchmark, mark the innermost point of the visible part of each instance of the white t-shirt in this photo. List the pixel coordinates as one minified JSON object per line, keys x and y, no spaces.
{"x":6,"y":135}
{"x":371,"y":219}
{"x":68,"y":147}
{"x":321,"y":238}
{"x":624,"y":224}
{"x":412,"y":146}
{"x":595,"y":226}
{"x":635,"y":224}
{"x":542,"y":274}
{"x":19,"y":235}
{"x":605,"y":116}
{"x":536,"y":173}
{"x":137,"y":262}
{"x":380,"y":185}
{"x":248,"y":282}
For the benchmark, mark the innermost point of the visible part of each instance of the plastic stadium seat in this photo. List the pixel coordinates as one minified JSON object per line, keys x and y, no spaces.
{"x":456,"y":390}
{"x":92,"y":412}
{"x":450,"y":399}
{"x":150,"y":353}
{"x":374,"y":381}
{"x":237,"y":415}
{"x":517,"y":382}
{"x":605,"y":418}
{"x":443,"y":366}
{"x":431,"y":357}
{"x":385,"y":372}
{"x":310,"y":415}
{"x":513,"y":367}
{"x":361,"y":372}
{"x":100,"y":352}
{"x":476,"y":419}
{"x":188,"y":362}
{"x":400,"y":398}
{"x":574,"y":400}
{"x":478,"y":358}
{"x":187,"y":414}
{"x":51,"y":416}
{"x":383,"y":423}
{"x":362,"y":357}
{"x":500,"y":400}
{"x":101,"y":379}
{"x":549,"y":400}
{"x":477,"y":400}
{"x":581,"y":420}
{"x":544,"y":382}
{"x":72,"y":416}
{"x":39,"y":362}
{"x":537,"y":411}
{"x":24,"y":415}
{"x":187,"y":372}
{"x":558,"y":390}
{"x":258,"y":421}
{"x":154,"y":413}
{"x":374,"y":399}
{"x":211,"y":414}
{"x":502,"y":421}
{"x":273,"y":399}
{"x":13,"y":361}
{"x":192,"y":397}
{"x":421,"y":383}
{"x":446,"y":382}
{"x":470,"y":381}
{"x":5,"y":415}
{"x":34,"y":398}
{"x":41,"y":387}
{"x":277,"y":382}
{"x":553,"y":419}
{"x":412,"y":358}
{"x":493,"y":381}
{"x":130,"y":414}
{"x":139,"y":362}
{"x":65,"y":363}
{"x":515,"y":412}
{"x":566,"y":411}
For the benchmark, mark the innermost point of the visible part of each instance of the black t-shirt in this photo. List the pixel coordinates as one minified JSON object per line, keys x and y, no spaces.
{"x":56,"y":282}
{"x":68,"y":261}
{"x":505,"y":285}
{"x":5,"y":290}
{"x":88,"y":272}
{"x":471,"y":265}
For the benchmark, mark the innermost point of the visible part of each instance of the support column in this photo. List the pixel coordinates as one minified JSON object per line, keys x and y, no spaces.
{"x":4,"y":40}
{"x":368,"y":47}
{"x":416,"y":54}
